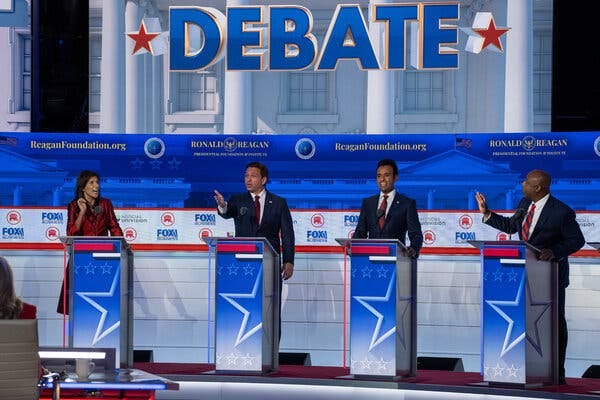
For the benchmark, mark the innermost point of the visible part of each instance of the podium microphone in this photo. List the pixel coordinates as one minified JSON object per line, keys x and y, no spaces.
{"x":243,"y":210}
{"x":380,"y":213}
{"x":97,"y":210}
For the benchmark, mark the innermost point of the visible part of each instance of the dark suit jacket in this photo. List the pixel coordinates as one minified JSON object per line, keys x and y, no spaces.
{"x":556,"y":230}
{"x":276,"y":218}
{"x":401,"y":218}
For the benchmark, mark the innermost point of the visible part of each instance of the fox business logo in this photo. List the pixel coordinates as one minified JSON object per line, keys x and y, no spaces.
{"x":350,"y":220}
{"x":316,"y":236}
{"x":205,"y":219}
{"x":464,"y":237}
{"x":167,"y":234}
{"x":13,"y":233}
{"x":55,"y":218}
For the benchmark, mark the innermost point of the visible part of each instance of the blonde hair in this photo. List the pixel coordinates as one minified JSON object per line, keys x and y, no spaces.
{"x":10,"y":305}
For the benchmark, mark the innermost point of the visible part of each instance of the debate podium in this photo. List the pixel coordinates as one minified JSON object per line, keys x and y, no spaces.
{"x":100,"y":294}
{"x":247,"y":303}
{"x":383,"y":309}
{"x":519,"y":315}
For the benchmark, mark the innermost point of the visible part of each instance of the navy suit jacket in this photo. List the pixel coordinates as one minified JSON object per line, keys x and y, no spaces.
{"x":401,"y":218}
{"x":276,"y":218}
{"x":556,"y":229}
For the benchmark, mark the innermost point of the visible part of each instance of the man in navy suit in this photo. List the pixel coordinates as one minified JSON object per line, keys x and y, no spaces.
{"x":260,"y":213}
{"x":389,"y":214}
{"x":549,"y":225}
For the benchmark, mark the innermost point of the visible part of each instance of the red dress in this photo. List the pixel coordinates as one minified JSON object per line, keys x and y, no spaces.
{"x":29,"y":311}
{"x":97,"y":221}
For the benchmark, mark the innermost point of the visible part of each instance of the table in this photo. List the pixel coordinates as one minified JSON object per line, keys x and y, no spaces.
{"x":121,"y":384}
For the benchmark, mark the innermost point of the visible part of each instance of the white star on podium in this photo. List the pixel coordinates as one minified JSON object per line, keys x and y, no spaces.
{"x":496,"y":304}
{"x":241,"y":336}
{"x":100,"y":331}
{"x":375,"y":338}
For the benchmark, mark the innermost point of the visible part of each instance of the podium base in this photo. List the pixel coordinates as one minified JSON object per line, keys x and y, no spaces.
{"x":379,"y":378}
{"x":507,"y":385}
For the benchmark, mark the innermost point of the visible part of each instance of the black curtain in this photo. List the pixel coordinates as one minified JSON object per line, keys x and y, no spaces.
{"x":575,"y":68}
{"x":59,"y":65}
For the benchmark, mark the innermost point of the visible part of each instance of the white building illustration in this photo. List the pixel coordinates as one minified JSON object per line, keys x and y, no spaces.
{"x":506,"y":91}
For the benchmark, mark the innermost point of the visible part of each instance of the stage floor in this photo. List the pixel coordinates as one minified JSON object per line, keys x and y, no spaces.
{"x":197,"y":380}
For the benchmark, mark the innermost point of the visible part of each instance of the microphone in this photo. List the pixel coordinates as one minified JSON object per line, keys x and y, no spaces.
{"x":380,"y":213}
{"x":243,"y":210}
{"x":97,"y":210}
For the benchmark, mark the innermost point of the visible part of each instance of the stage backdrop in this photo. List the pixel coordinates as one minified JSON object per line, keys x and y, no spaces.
{"x":162,"y":186}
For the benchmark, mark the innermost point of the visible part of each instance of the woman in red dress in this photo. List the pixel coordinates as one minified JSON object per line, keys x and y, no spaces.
{"x":11,"y":307}
{"x":88,"y":214}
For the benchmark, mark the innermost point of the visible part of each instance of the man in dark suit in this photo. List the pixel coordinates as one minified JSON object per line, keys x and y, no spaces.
{"x":548,"y":224}
{"x":389,"y":214}
{"x":260,"y":213}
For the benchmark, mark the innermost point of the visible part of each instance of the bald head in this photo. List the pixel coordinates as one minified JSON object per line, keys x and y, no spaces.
{"x":536,"y":185}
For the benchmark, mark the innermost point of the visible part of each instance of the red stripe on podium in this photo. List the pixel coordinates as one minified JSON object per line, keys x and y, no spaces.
{"x":508,"y":252}
{"x":94,"y":247}
{"x":371,"y":250}
{"x":236,"y":248}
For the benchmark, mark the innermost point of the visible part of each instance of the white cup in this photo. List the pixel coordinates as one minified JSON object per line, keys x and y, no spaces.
{"x":84,"y":367}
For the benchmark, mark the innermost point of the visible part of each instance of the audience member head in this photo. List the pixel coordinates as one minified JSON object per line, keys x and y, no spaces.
{"x":10,"y":304}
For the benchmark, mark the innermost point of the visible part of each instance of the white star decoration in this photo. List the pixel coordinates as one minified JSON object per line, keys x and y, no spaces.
{"x":375,"y":338}
{"x":241,"y":336}
{"x":100,"y":333}
{"x":530,"y":332}
{"x":514,"y":303}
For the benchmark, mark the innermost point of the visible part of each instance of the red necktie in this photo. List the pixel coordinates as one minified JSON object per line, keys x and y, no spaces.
{"x":527,"y":223}
{"x":257,"y":209}
{"x":383,"y":207}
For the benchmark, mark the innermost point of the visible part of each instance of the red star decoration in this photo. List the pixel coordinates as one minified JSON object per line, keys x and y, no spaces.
{"x":142,"y":39}
{"x":491,"y":35}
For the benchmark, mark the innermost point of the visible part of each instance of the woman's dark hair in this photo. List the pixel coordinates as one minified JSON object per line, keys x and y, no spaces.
{"x":82,"y":180}
{"x":10,"y":304}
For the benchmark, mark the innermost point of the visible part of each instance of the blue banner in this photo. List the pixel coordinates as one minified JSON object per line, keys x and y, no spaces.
{"x":441,"y":171}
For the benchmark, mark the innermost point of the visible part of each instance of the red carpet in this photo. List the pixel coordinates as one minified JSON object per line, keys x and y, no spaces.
{"x":424,"y":377}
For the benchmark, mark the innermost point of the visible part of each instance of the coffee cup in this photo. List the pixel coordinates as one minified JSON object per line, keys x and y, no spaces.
{"x":84,"y":367}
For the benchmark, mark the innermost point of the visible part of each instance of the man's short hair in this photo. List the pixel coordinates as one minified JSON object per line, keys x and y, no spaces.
{"x":264,"y":172}
{"x":391,"y":163}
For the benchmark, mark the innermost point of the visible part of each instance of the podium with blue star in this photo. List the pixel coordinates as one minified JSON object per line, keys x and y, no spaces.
{"x":101,"y":295}
{"x":246,"y":305}
{"x":383,"y":284}
{"x":519,"y":316}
